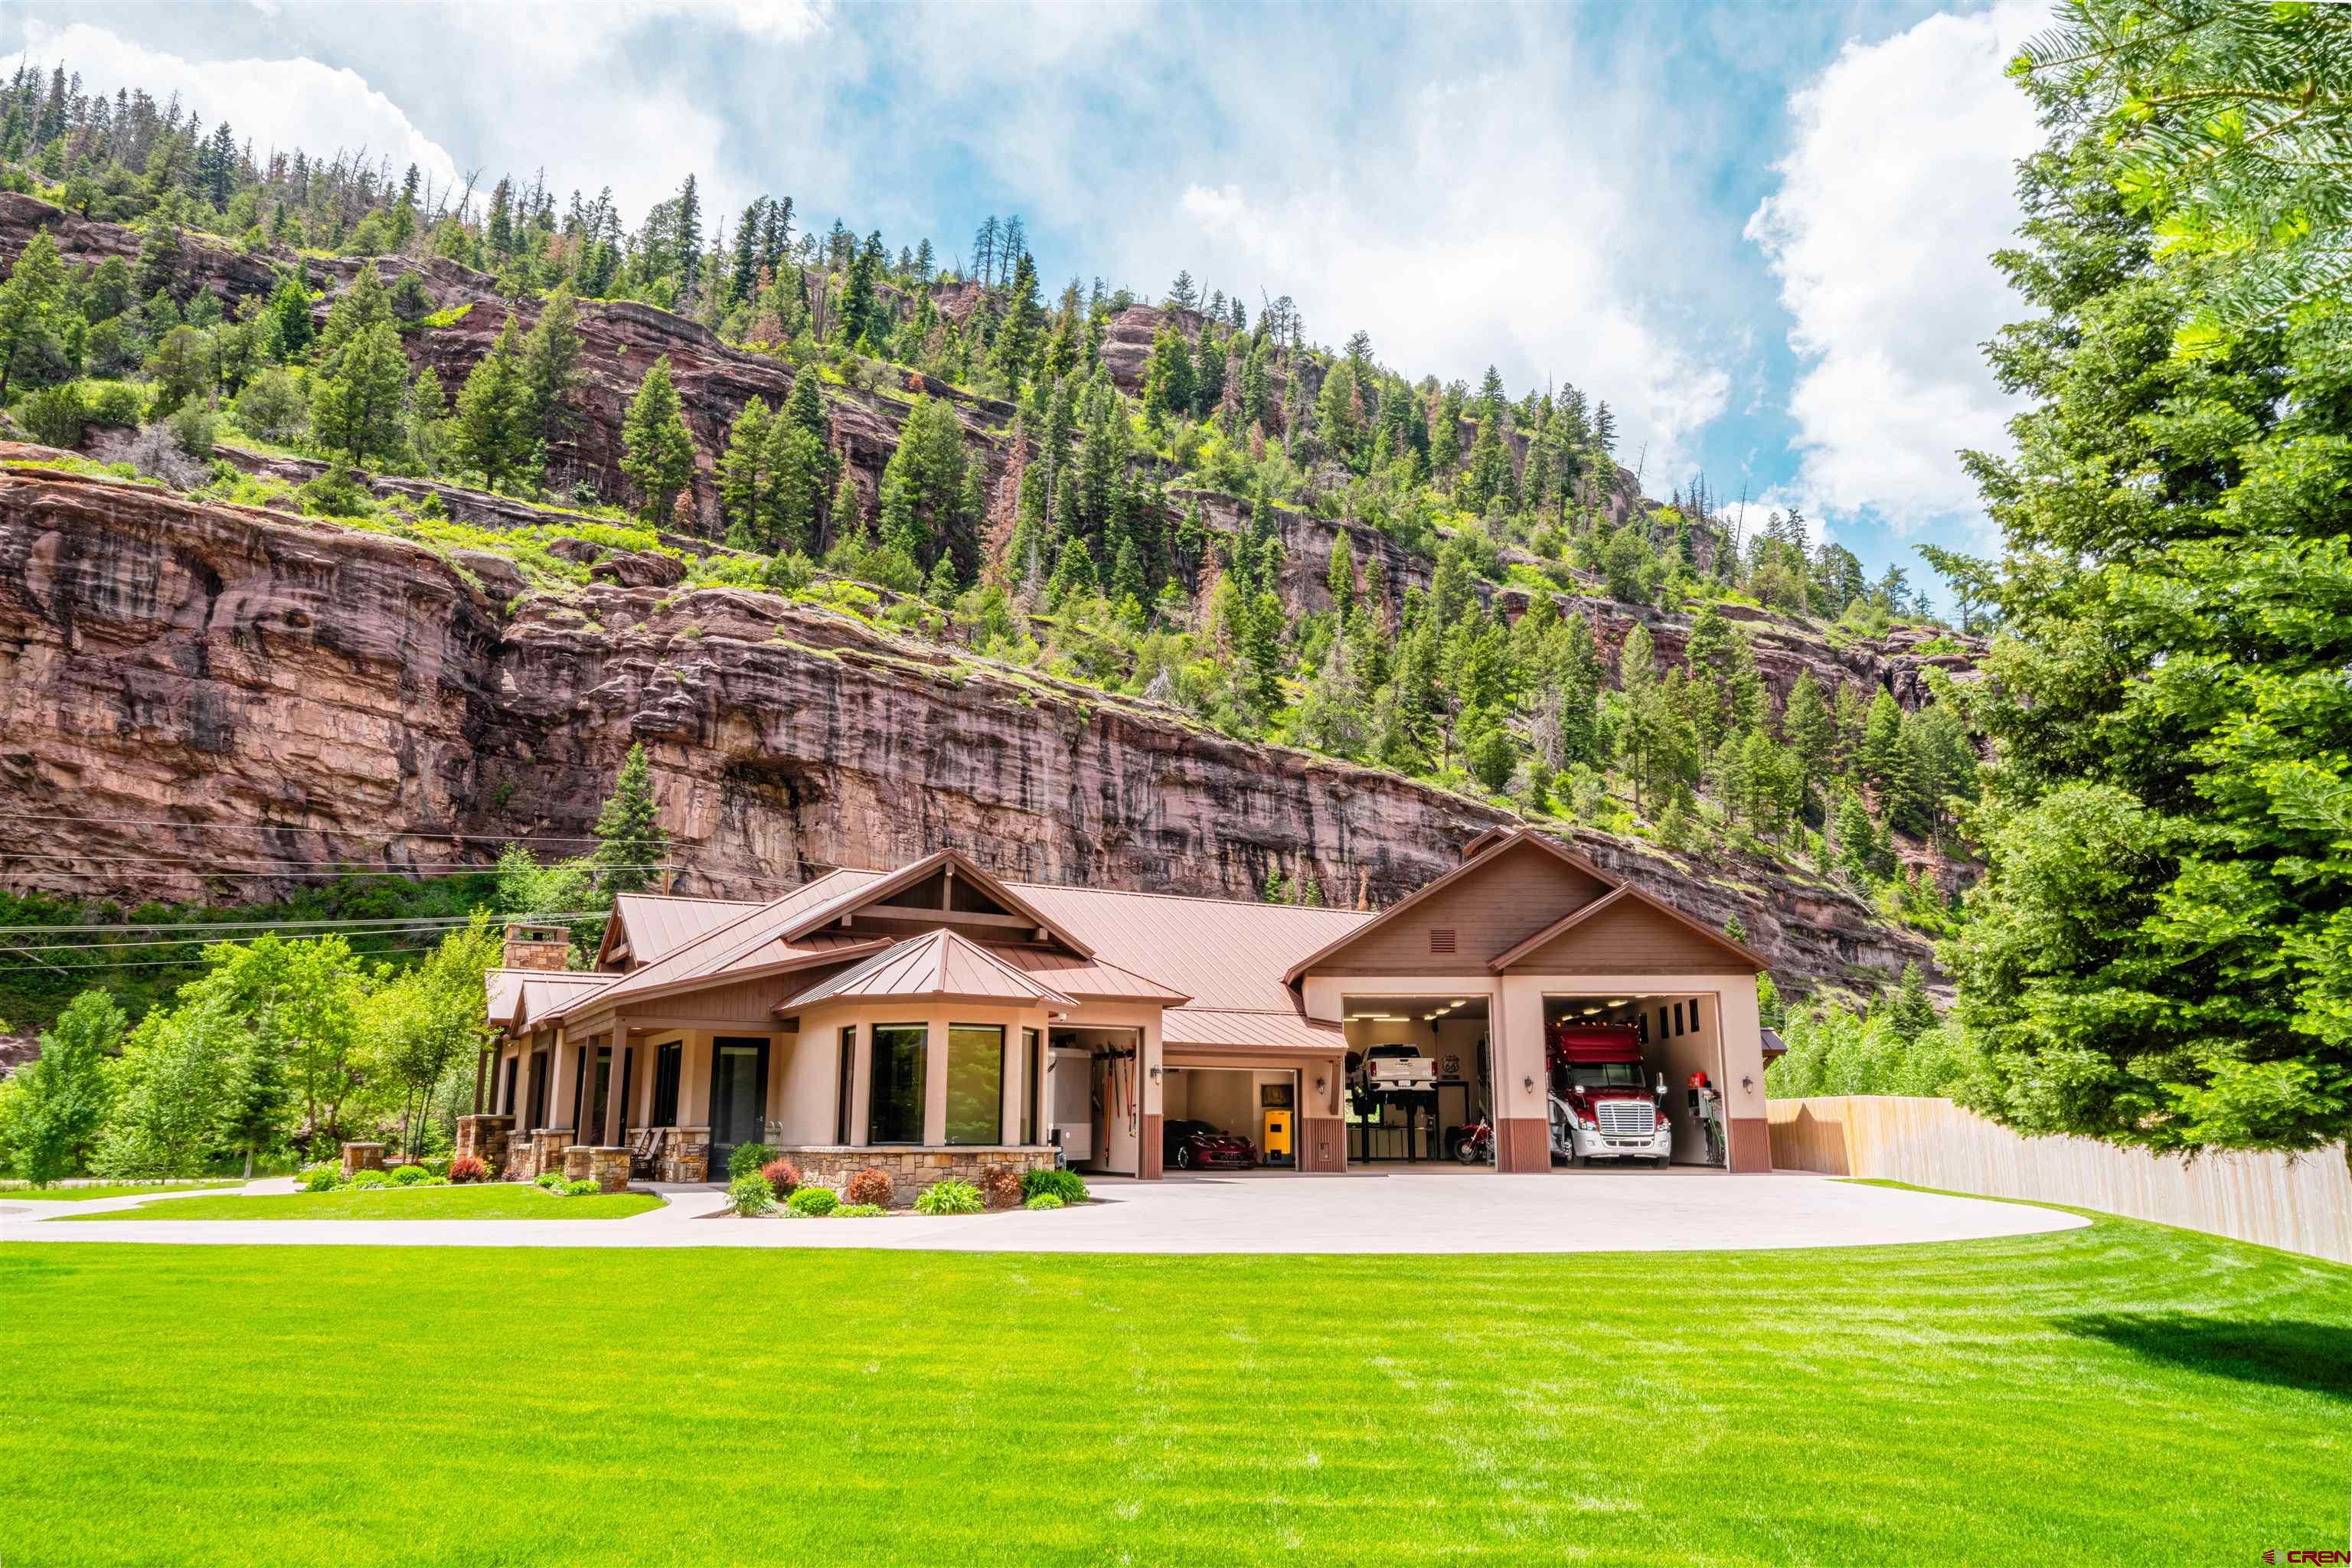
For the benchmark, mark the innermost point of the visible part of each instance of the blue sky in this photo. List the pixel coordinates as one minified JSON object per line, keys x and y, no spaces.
{"x":1759,"y":230}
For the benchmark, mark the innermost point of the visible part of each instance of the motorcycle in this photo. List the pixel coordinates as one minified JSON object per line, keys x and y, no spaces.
{"x":1475,"y":1144}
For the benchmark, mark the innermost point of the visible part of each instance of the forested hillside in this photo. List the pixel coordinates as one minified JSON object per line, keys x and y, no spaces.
{"x":620,"y":437}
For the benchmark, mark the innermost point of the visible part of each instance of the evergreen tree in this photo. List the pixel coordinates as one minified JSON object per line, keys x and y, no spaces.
{"x":360,"y":403}
{"x":796,"y":478}
{"x":494,"y":434}
{"x":550,"y":361}
{"x":630,"y":841}
{"x":1016,"y":335}
{"x":747,"y":479}
{"x":32,"y":306}
{"x":657,"y":450}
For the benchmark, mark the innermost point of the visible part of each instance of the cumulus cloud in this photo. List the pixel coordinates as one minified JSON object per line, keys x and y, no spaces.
{"x":1900,"y":184}
{"x":275,"y":103}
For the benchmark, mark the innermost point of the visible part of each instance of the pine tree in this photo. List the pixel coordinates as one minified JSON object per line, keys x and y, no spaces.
{"x":796,"y":472}
{"x":494,"y":434}
{"x":657,"y":450}
{"x":1016,"y":335}
{"x":32,"y":306}
{"x":550,"y":360}
{"x":1340,"y":578}
{"x":630,"y":842}
{"x":747,"y":479}
{"x":1073,"y":574}
{"x":1911,"y":1013}
{"x":360,"y":401}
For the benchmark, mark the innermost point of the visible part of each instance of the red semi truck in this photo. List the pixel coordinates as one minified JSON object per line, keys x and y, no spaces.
{"x":1600,"y":1107}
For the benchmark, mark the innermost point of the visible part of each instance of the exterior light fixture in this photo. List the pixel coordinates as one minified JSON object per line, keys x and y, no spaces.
{"x":1528,"y":1084}
{"x":1155,"y":1075}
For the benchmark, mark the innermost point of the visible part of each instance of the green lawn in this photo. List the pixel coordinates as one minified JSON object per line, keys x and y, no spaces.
{"x":109,"y":1190}
{"x":2124,"y":1393}
{"x":493,"y":1200}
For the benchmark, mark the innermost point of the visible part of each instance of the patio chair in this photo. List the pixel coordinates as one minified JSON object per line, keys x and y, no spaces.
{"x":645,"y":1152}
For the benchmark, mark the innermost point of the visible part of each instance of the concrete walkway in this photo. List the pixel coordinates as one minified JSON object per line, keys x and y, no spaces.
{"x":1462,"y":1212}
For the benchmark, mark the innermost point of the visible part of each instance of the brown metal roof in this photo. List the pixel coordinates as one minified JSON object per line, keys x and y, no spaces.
{"x":1097,"y":979}
{"x":517,"y":995}
{"x":937,"y":963}
{"x":656,"y":925}
{"x":1273,"y":1029}
{"x":1623,"y":891}
{"x":1219,"y":953}
{"x":881,"y":886}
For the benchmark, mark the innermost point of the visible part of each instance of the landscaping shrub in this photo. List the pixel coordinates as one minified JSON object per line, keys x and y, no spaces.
{"x":1044,"y":1201}
{"x":860,"y":1211}
{"x":750,"y":1195}
{"x":870,"y":1185}
{"x":434,"y":1181}
{"x":950,"y":1196}
{"x":553,"y":1181}
{"x":1000,"y":1187}
{"x":466,"y":1168}
{"x":1064,"y":1184}
{"x":813,"y":1203}
{"x":747,"y":1158}
{"x":410,"y":1175}
{"x":782,"y":1175}
{"x":369,"y":1179}
{"x":321,"y":1179}
{"x":582,"y":1188}
{"x":436,"y":1164}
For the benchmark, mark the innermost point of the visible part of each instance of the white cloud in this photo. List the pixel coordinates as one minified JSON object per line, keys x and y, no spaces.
{"x":278,"y":104}
{"x":1900,"y":184}
{"x":1479,"y":234}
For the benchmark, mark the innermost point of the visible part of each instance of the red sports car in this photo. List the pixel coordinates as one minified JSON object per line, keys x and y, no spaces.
{"x":1197,"y":1146}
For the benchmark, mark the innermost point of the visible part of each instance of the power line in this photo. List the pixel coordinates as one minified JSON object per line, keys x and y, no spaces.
{"x":185,"y":859}
{"x":269,"y":925}
{"x":296,"y":827}
{"x":198,"y":867}
{"x":177,"y":962}
{"x":404,"y":928}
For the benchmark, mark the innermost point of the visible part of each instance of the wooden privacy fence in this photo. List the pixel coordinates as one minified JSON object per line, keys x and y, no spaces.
{"x":2304,"y":1205}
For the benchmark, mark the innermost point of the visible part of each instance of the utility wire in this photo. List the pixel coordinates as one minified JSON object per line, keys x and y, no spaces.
{"x":178,"y":962}
{"x":402,"y":928}
{"x":269,"y":925}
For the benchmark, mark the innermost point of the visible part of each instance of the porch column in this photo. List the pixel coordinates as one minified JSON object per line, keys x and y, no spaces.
{"x":1016,"y":1074}
{"x":694,"y":1080}
{"x":1148,"y":1152}
{"x":935,"y":1084}
{"x":616,"y":1113}
{"x":560,"y":1088}
{"x":861,"y":1082}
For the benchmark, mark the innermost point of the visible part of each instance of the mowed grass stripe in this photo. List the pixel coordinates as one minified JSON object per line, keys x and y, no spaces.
{"x":2127,"y":1391}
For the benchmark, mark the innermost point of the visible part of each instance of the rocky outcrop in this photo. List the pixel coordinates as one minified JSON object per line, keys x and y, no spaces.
{"x":300,"y":695}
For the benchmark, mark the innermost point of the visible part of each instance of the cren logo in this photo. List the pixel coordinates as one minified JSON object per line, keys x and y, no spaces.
{"x":2323,"y":1555}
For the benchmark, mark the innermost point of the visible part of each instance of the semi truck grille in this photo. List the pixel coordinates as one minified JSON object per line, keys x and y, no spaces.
{"x":1627,"y":1118}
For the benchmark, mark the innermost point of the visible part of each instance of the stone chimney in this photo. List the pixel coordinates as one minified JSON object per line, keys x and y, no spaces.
{"x":538,"y":946}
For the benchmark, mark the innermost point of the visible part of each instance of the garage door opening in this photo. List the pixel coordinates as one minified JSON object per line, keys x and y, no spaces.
{"x":1229,"y":1118}
{"x":1418,"y":1080}
{"x":1635,"y":1079}
{"x":1097,"y":1094}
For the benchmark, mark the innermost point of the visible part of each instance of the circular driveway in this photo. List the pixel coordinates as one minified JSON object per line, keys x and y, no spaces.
{"x":1462,"y":1212}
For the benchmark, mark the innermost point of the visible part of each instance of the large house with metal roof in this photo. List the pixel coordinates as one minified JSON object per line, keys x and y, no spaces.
{"x":935,"y":1019}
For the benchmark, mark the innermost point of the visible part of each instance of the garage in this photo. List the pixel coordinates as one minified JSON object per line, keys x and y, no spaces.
{"x":1218,"y":1118}
{"x":1620,"y":1064}
{"x":1419,"y":1074}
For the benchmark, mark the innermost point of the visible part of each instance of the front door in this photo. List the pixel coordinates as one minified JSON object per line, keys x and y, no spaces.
{"x":738,"y":1098}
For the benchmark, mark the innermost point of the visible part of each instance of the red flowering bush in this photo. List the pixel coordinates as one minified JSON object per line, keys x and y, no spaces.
{"x":782,"y":1175}
{"x":466,"y":1168}
{"x":1000,"y":1186}
{"x":870,"y":1185}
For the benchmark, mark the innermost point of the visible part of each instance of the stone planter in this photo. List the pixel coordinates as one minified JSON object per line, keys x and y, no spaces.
{"x":358,"y":1157}
{"x":911,"y":1170}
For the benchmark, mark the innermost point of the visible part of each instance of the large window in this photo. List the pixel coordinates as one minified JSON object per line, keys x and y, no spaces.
{"x":975,"y":1083}
{"x":537,"y":1101}
{"x":895,"y":1101}
{"x":669,"y":1063}
{"x":1033,"y":1073}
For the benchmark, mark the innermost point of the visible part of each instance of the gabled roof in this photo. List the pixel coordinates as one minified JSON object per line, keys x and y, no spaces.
{"x":654,"y":925}
{"x":514,"y":996}
{"x":1219,"y":953}
{"x":937,"y":965}
{"x":877,"y":892}
{"x":1623,"y":892}
{"x":1479,"y":862}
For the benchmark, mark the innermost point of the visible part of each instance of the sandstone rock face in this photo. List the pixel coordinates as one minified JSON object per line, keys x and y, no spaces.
{"x":360,"y":700}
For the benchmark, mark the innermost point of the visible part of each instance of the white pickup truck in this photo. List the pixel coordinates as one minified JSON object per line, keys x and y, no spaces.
{"x":1393,"y":1067}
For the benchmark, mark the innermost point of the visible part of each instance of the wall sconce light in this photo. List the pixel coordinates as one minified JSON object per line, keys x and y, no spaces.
{"x":1318,"y":1085}
{"x":1155,"y":1075}
{"x":1528,"y":1084}
{"x":1747,"y":1083}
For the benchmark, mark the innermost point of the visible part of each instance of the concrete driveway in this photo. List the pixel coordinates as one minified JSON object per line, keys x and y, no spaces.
{"x":1646,"y":1211}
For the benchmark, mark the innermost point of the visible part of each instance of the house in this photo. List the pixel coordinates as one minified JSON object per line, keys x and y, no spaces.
{"x":937,"y":1020}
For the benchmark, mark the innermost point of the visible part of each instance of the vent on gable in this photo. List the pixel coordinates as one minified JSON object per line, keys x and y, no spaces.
{"x":1441,"y":939}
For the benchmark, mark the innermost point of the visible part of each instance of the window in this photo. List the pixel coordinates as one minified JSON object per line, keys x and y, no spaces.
{"x":669,"y":1063}
{"x":514,"y":1069}
{"x":848,"y":1082}
{"x":894,"y":1102}
{"x":1441,"y":939}
{"x":1694,"y":1015}
{"x":1662,"y":1023}
{"x":1678,"y":1017}
{"x":579,"y":1092}
{"x":975,"y":1083}
{"x":1032,"y":1069}
{"x":537,"y":1091}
